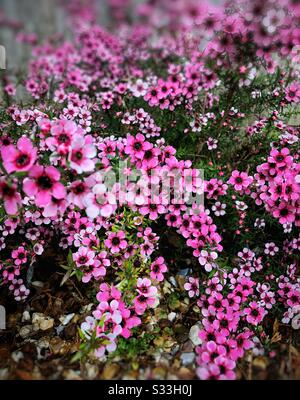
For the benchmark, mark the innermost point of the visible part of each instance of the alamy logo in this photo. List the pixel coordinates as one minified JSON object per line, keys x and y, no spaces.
{"x":2,"y":57}
{"x":2,"y":318}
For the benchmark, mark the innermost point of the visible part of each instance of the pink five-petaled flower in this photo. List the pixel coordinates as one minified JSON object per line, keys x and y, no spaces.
{"x":108,"y":345}
{"x":62,"y":132}
{"x":112,"y":317}
{"x":147,"y":295}
{"x":192,"y":286}
{"x":19,"y":255}
{"x":116,"y":242}
{"x":129,"y":323}
{"x":243,"y":342}
{"x":136,"y":146}
{"x":212,"y":351}
{"x":84,"y":257}
{"x":81,"y":154}
{"x":207,"y":259}
{"x":19,"y":159}
{"x":97,"y":269}
{"x":254,"y":313}
{"x":42,"y":184}
{"x":10,"y":272}
{"x":158,"y":268}
{"x":144,"y":287}
{"x":10,"y":196}
{"x":226,"y":367}
{"x":208,"y":372}
{"x":292,"y":93}
{"x":141,"y":303}
{"x":240,"y":180}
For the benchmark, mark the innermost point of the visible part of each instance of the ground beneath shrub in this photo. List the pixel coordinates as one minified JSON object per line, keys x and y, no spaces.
{"x":42,"y":337}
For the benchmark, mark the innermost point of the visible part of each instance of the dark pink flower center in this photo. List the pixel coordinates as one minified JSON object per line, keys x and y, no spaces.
{"x":78,"y":189}
{"x":44,"y":182}
{"x":22,"y":160}
{"x":115,"y":241}
{"x":63,"y":138}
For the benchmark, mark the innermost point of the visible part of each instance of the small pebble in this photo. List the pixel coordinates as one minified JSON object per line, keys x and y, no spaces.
{"x":172,"y":316}
{"x":17,"y":356}
{"x":194,"y":335}
{"x":187,"y":358}
{"x":26,"y":331}
{"x":26,"y":316}
{"x":65,"y":319}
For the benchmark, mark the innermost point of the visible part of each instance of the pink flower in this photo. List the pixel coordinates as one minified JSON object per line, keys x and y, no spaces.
{"x":192,"y":286}
{"x":109,"y":345}
{"x":112,"y":317}
{"x":145,"y":288}
{"x":254,"y":313}
{"x":84,"y":257}
{"x":62,"y":133}
{"x":240,"y":180}
{"x":19,"y":289}
{"x":10,"y":197}
{"x":208,"y":372}
{"x":44,"y":125}
{"x":285,"y":213}
{"x":271,"y":249}
{"x":226,"y":367}
{"x":88,"y":326}
{"x":19,"y":159}
{"x":81,"y":154}
{"x":10,"y":272}
{"x":153,"y":210}
{"x":158,"y":268}
{"x":42,"y":184}
{"x":152,"y":96}
{"x":78,"y":191}
{"x":292,"y":93}
{"x":280,"y":157}
{"x":116,"y":242}
{"x":136,"y":146}
{"x":211,"y":334}
{"x":207,"y":259}
{"x":129,"y":321}
{"x":243,"y":342}
{"x":55,"y":207}
{"x":212,"y":350}
{"x":97,"y":269}
{"x":19,"y":255}
{"x":141,"y":303}
{"x":150,"y":159}
{"x":99,"y":202}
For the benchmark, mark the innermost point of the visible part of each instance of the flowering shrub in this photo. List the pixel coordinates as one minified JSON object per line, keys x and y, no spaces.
{"x":105,"y":157}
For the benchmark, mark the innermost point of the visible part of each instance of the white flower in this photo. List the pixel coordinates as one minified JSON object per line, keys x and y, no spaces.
{"x":196,"y":126}
{"x":206,"y":259}
{"x":139,"y":89}
{"x":255,"y":94}
{"x":38,"y":249}
{"x":259,"y":223}
{"x":271,"y":249}
{"x":296,"y":322}
{"x":273,"y":19}
{"x":287,"y":228}
{"x":88,"y":326}
{"x":219,"y":209}
{"x":240,"y":205}
{"x":211,"y":143}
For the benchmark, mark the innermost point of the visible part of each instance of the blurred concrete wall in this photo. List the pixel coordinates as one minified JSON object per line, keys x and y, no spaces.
{"x":43,"y":17}
{"x":40,"y":16}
